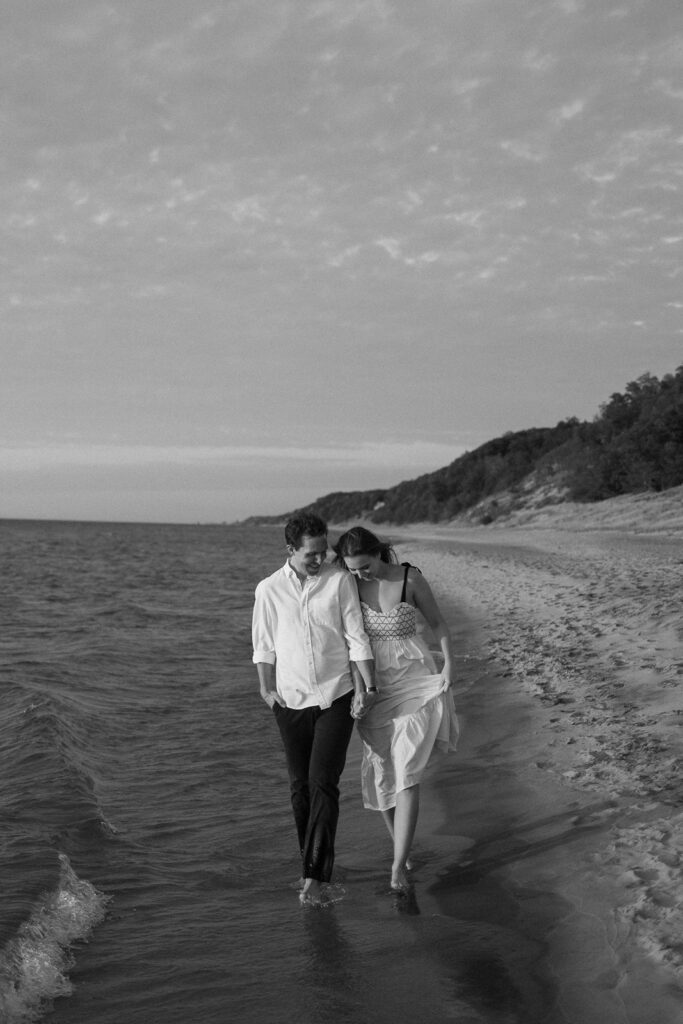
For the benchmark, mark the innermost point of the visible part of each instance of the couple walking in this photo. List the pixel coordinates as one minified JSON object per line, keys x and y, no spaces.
{"x":338,"y":643}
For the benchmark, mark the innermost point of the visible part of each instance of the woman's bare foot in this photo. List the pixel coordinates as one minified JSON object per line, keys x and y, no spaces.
{"x":399,"y":878}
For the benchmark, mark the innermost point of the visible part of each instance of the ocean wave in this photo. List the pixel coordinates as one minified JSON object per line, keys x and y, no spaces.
{"x":50,"y":774}
{"x":126,"y":614}
{"x":55,"y":732}
{"x":35,"y":964}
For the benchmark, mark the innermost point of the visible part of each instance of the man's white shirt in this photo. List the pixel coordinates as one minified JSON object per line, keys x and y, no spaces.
{"x":310,"y":632}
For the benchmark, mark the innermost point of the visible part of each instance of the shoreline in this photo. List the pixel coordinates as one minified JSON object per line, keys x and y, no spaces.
{"x":586,"y":628}
{"x":593,"y":629}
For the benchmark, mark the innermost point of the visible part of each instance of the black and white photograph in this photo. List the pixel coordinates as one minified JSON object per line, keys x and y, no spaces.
{"x":341,"y":512}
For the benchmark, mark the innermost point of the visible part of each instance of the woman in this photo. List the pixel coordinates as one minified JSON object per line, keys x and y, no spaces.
{"x":414,"y":712}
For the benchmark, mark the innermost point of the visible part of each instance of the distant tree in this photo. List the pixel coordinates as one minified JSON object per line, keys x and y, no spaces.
{"x":635,"y":443}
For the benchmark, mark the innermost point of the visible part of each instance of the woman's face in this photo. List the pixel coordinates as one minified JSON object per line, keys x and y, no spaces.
{"x":365,"y":567}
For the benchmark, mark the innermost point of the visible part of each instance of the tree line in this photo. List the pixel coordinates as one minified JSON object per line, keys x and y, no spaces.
{"x":635,"y":443}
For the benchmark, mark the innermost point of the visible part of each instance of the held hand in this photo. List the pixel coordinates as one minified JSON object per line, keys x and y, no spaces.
{"x":362,"y":702}
{"x":357,"y":705}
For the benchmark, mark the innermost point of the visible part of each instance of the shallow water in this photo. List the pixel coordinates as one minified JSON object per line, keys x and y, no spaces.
{"x":533,"y":873}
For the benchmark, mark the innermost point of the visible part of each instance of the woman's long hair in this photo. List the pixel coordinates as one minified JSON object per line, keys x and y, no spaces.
{"x":359,"y":541}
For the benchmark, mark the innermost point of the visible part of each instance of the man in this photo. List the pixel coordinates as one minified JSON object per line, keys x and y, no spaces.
{"x":307,"y":627}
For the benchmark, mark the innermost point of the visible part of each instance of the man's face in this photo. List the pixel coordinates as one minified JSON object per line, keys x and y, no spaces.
{"x":308,"y":559}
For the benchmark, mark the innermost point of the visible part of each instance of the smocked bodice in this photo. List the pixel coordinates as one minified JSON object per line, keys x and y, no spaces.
{"x":397,"y":624}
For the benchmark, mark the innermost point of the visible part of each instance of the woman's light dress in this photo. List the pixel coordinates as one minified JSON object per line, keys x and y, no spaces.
{"x":410,"y":718}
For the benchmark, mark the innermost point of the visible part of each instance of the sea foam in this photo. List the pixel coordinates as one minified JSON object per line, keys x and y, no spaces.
{"x":34,"y":964}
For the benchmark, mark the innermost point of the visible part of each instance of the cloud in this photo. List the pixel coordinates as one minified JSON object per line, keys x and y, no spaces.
{"x":184,"y":484}
{"x":391,"y":246}
{"x":524,"y":149}
{"x":570,"y":7}
{"x":88,"y":25}
{"x":568,"y":111}
{"x":642,"y":147}
{"x":371,"y":13}
{"x":540,"y":63}
{"x":668,"y":89}
{"x":397,"y":454}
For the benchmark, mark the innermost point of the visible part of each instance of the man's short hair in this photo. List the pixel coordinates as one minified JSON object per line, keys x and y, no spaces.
{"x":304,"y":524}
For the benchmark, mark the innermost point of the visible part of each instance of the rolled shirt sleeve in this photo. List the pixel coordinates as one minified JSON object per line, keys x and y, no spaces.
{"x":262,"y":628}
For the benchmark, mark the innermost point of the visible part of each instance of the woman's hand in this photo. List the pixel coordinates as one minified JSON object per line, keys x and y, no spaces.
{"x":362,"y":702}
{"x":446,"y":679}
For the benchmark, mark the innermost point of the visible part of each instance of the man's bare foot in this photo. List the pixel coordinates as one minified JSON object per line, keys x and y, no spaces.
{"x":311,"y":893}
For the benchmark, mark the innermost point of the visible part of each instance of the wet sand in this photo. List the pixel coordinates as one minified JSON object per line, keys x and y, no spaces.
{"x":563,"y":803}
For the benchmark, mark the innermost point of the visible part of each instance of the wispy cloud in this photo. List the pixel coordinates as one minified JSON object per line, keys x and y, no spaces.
{"x":645,"y":147}
{"x":568,"y":111}
{"x":398,"y":454}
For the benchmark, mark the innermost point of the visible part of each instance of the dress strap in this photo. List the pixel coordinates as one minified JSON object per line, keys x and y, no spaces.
{"x":405,"y":580}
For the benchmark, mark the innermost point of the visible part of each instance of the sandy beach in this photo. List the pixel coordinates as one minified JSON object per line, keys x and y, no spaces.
{"x":580,"y":612}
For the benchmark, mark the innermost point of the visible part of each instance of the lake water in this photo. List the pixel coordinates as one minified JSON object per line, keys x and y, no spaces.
{"x":147,"y":852}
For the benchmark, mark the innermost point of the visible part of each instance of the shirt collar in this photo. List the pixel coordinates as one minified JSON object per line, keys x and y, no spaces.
{"x":287,"y":569}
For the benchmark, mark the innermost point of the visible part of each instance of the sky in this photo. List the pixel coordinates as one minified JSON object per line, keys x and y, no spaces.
{"x":255,"y":251}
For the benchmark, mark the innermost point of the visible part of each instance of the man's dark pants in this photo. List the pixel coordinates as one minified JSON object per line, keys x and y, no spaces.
{"x":315,"y":741}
